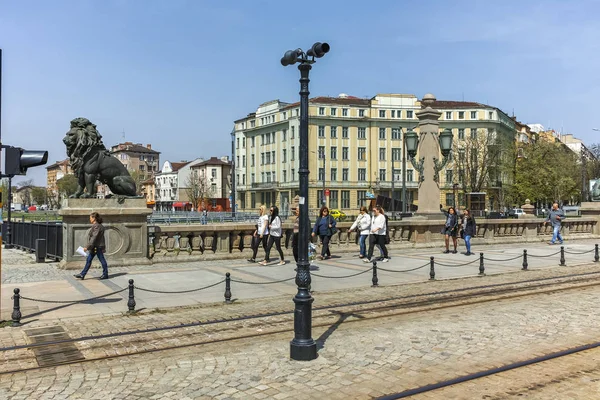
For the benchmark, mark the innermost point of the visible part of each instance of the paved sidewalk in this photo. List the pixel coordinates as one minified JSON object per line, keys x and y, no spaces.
{"x":47,"y":282}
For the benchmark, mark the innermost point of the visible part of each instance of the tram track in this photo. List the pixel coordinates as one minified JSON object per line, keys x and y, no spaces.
{"x":137,"y":342}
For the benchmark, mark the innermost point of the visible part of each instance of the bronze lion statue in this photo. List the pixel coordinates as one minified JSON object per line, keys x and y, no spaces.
{"x":91,"y":162}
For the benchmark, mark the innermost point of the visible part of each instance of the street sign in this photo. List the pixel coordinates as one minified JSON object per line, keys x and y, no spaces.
{"x":326,"y":192}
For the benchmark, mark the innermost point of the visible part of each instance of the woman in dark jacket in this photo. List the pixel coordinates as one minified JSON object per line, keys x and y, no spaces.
{"x":469,"y":229}
{"x":95,"y":247}
{"x":324,"y":227}
{"x":450,"y":228}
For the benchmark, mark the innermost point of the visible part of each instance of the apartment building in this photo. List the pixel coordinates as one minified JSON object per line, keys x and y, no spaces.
{"x":137,"y":158}
{"x":355,"y":148}
{"x":215,"y":175}
{"x":54,"y":172}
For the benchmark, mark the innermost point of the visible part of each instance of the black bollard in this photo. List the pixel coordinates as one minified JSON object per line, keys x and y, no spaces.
{"x":228,"y":288}
{"x":562,"y":256}
{"x":131,"y":301}
{"x":375,"y":280}
{"x":596,"y":255}
{"x":525,"y":265}
{"x":481,"y":266}
{"x":431,"y":269}
{"x":16,"y":314}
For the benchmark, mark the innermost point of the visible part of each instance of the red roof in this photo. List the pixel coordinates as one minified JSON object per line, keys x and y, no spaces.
{"x":441,"y":104}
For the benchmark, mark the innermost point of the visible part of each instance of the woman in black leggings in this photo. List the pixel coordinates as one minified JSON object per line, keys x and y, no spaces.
{"x":275,"y":232}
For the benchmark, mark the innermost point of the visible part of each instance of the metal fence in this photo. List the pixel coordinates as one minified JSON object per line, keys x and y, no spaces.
{"x":24,"y":235}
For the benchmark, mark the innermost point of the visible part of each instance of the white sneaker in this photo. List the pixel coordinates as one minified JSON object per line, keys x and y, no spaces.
{"x":366,"y":260}
{"x":385,"y":260}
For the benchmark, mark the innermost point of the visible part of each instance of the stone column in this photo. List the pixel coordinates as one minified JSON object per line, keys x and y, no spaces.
{"x":126,"y":230}
{"x":429,"y":190}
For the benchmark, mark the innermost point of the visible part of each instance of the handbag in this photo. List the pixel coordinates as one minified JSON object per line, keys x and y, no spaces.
{"x":462,"y":233}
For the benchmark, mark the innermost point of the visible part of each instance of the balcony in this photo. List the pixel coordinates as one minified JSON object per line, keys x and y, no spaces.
{"x":265,"y":185}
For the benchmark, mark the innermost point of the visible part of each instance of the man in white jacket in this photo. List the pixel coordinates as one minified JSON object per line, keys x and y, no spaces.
{"x":377,"y":237}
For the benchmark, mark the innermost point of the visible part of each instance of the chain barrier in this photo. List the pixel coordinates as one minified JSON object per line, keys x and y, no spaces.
{"x":404,"y":270}
{"x":508,"y":259}
{"x":262,"y":283}
{"x":456,"y":265}
{"x":346,"y":276}
{"x":547,"y":255}
{"x":71,"y":301}
{"x":179,"y":291}
{"x":580,"y":252}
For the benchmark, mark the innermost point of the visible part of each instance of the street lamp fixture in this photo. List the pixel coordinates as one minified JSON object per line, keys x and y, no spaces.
{"x":303,"y":347}
{"x":412,"y":142}
{"x":445,"y":141}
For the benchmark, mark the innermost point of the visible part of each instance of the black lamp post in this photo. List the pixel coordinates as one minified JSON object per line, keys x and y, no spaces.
{"x":303,"y":347}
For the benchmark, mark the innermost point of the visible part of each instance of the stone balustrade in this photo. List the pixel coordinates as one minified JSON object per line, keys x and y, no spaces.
{"x":222,"y":241}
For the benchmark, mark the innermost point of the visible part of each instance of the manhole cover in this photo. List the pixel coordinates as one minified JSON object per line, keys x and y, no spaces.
{"x":53,"y":354}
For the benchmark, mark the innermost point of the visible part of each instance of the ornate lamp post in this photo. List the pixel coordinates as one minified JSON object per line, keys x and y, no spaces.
{"x":303,"y":347}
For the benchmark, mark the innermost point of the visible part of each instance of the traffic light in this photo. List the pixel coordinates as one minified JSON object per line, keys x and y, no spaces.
{"x":17,"y":160}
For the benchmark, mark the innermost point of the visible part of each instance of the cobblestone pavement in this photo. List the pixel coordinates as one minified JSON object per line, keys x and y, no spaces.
{"x":357,"y":360}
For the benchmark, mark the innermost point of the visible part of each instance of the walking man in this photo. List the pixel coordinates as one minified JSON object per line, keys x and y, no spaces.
{"x":555,"y":217}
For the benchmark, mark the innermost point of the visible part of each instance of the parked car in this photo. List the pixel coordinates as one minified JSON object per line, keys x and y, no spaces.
{"x":515,"y":213}
{"x":32,"y":208}
{"x":337,"y":214}
{"x":495,"y":215}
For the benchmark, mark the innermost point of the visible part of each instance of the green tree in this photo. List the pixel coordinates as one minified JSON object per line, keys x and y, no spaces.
{"x":546,"y":172}
{"x":67,"y":185}
{"x":38,"y":194}
{"x":138,"y":178}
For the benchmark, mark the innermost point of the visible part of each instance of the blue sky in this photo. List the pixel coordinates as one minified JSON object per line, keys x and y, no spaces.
{"x":178,"y":73}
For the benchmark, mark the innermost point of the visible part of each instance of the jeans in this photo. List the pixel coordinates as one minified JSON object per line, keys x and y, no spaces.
{"x":88,"y":263}
{"x":377,"y":240}
{"x":556,"y":235}
{"x":362,"y":242}
{"x":468,"y":243}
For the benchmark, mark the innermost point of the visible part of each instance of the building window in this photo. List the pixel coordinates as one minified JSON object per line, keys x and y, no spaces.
{"x":293,"y":134}
{"x":409,"y":175}
{"x":399,"y":114}
{"x":243,"y":161}
{"x":284,"y":134}
{"x":284,"y":115}
{"x":253,"y":199}
{"x":382,"y":175}
{"x":334,"y":153}
{"x":473,"y":133}
{"x":361,"y":113}
{"x":333,"y":131}
{"x":345,"y":174}
{"x":284,"y":156}
{"x":449,"y":199}
{"x":382,"y":154}
{"x":393,"y":113}
{"x":253,"y":178}
{"x":461,"y":115}
{"x":292,"y":154}
{"x":243,"y":180}
{"x":461,"y":134}
{"x":448,"y":115}
{"x":409,"y":114}
{"x":321,"y":152}
{"x":333,"y":174}
{"x":381,"y":113}
{"x":321,"y":110}
{"x":237,"y":146}
{"x":449,"y":176}
{"x":321,"y":174}
{"x":396,"y":154}
{"x":395,"y":133}
{"x":381,"y":133}
{"x":252,"y":160}
{"x":362,"y":133}
{"x":252,"y":142}
{"x":361,"y":153}
{"x":345,"y":199}
{"x":361,"y":195}
{"x":344,"y":153}
{"x":273,"y":157}
{"x":321,"y":131}
{"x":321,"y":198}
{"x":362,"y":174}
{"x":284,"y":176}
{"x":293,"y":175}
{"x":473,"y":114}
{"x":344,"y":112}
{"x":333,"y":199}
{"x":333,"y":112}
{"x":262,"y":158}
{"x":345,"y":132}
{"x":237,"y":161}
{"x":490,"y":115}
{"x":252,"y":125}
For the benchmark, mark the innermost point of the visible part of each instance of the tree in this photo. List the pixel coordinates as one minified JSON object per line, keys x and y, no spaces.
{"x":25,"y":191}
{"x":38,"y":194}
{"x":138,"y":178}
{"x":67,"y":185}
{"x":198,"y":189}
{"x":546,"y":172}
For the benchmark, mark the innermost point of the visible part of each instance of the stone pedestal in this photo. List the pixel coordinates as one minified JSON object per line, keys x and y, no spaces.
{"x":126,"y":231}
{"x":528,"y":210}
{"x":591,"y":209}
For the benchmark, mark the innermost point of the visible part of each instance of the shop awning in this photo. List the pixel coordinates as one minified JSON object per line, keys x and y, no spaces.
{"x":180,"y":204}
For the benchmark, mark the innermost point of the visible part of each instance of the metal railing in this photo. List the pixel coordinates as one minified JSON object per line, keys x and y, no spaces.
{"x":24,"y":235}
